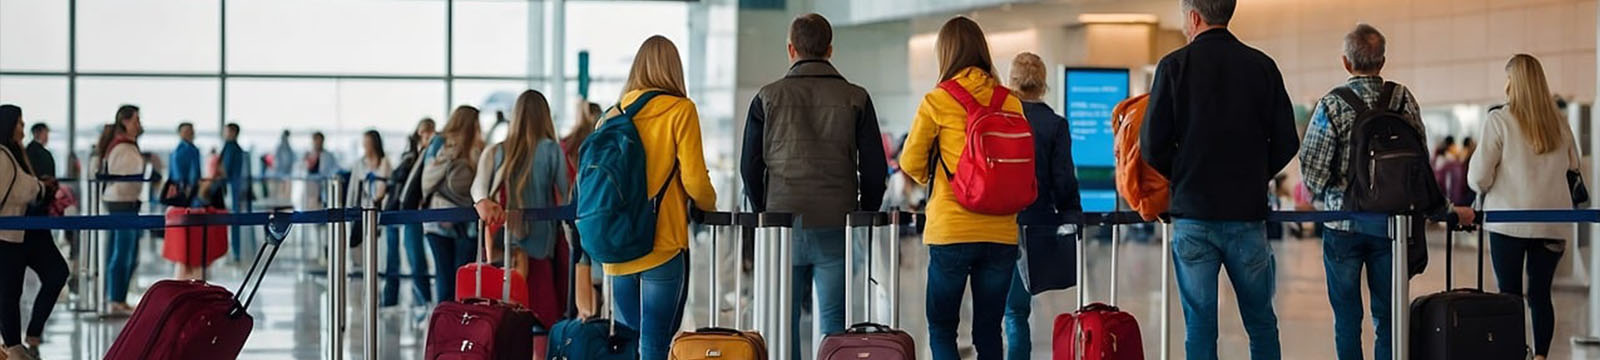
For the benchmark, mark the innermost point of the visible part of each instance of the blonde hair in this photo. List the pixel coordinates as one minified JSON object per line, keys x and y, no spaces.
{"x":1529,"y":101}
{"x":530,"y":125}
{"x":464,"y":134}
{"x":1028,"y":76}
{"x":657,"y":66}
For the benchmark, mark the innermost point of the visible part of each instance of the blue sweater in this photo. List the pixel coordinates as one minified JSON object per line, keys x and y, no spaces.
{"x":183,"y":166}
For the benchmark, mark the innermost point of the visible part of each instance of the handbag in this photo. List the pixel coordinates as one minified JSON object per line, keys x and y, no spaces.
{"x":176,"y":194}
{"x":1580,"y":193}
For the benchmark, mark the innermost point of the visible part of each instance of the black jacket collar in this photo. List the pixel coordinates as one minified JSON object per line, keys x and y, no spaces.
{"x":813,"y":68}
{"x":1217,"y":33}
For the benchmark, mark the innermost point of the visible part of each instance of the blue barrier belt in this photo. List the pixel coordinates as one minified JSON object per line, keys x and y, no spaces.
{"x":568,"y":213}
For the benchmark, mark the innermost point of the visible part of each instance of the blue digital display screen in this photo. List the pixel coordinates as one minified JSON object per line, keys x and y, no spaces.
{"x":1090,"y":96}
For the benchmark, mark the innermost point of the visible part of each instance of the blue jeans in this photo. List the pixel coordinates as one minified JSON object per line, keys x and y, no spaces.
{"x":819,"y":260}
{"x":1343,"y":255}
{"x":1200,"y":249}
{"x":411,"y":234}
{"x":1019,"y":305}
{"x":236,"y":236}
{"x":122,"y":261}
{"x":992,"y":269}
{"x":449,"y":254}
{"x":652,"y":302}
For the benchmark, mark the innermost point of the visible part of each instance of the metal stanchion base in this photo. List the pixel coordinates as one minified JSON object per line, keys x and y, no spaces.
{"x":1586,"y":341}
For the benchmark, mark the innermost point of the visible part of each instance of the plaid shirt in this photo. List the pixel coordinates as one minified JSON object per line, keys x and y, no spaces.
{"x":1325,"y":146}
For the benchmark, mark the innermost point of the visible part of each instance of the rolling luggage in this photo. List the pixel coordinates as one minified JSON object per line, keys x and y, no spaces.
{"x":481,"y":328}
{"x":716,"y":342}
{"x":194,"y":319}
{"x":590,"y":339}
{"x":181,"y":240}
{"x":1467,"y":323}
{"x":867,"y":339}
{"x":1097,"y":331}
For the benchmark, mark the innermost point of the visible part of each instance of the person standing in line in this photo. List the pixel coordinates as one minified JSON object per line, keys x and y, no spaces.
{"x":183,"y":166}
{"x":571,"y":144}
{"x":1522,"y":164}
{"x":368,"y":175}
{"x":528,"y":171}
{"x":121,"y":157}
{"x":812,"y":148}
{"x":43,"y":162}
{"x":588,"y":119}
{"x":962,"y":244}
{"x":236,"y":176}
{"x":447,"y":184}
{"x":19,"y":252}
{"x":409,"y":234}
{"x":320,"y":165}
{"x":1058,"y":191}
{"x":649,"y":293}
{"x":282,"y":167}
{"x":1220,"y":126}
{"x":1348,"y":246}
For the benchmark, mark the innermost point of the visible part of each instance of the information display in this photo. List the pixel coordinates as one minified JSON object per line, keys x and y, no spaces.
{"x":1090,"y":95}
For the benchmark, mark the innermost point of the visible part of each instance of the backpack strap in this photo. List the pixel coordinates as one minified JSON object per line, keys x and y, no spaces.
{"x":639,"y":103}
{"x":1385,"y":97}
{"x":961,"y":94}
{"x":997,"y":100}
{"x":662,"y":193}
{"x":1355,"y":101}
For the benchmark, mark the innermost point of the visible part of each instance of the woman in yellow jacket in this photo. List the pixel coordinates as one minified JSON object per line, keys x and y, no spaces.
{"x":649,"y":292}
{"x":961,"y":244}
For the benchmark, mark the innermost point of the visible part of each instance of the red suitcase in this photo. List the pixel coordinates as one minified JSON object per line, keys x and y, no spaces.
{"x":869,"y":340}
{"x":180,"y":320}
{"x":194,"y":245}
{"x":481,"y":328}
{"x":1097,"y":331}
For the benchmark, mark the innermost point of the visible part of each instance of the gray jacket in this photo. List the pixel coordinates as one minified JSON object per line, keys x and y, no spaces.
{"x":812,"y":147}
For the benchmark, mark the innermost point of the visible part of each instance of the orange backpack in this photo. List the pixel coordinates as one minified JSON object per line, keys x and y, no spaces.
{"x":1138,"y":183}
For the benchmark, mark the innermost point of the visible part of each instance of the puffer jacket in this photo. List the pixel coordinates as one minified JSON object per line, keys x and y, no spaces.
{"x":1145,"y":189}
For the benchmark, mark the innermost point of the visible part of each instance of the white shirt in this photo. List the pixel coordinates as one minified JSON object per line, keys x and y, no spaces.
{"x":1510,"y":176}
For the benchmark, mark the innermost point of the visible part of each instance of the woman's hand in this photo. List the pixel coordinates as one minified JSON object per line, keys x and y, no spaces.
{"x":490,"y":212}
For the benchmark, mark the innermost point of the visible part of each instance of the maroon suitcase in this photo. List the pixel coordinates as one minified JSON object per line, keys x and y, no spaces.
{"x":479,"y":328}
{"x":192,"y":319}
{"x":868,"y":340}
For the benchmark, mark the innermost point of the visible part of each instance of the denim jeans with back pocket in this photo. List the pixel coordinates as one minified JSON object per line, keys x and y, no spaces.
{"x":1201,"y":249}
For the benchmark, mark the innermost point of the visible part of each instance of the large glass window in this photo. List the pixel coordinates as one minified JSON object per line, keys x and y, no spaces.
{"x":611,"y":47}
{"x":336,"y":37}
{"x":163,"y":104}
{"x":43,"y":100}
{"x":148,"y":36}
{"x":491,"y":38}
{"x":33,"y":35}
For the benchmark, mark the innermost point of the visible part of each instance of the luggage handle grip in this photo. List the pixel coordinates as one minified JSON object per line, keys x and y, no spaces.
{"x":278,"y":226}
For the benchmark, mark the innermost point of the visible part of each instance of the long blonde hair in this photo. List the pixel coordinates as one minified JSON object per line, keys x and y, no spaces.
{"x":530,"y":125}
{"x":1529,"y":101}
{"x":657,"y":66}
{"x":464,"y":134}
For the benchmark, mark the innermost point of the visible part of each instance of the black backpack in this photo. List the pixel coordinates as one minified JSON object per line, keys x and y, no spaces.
{"x":405,"y":189}
{"x":1388,"y":169}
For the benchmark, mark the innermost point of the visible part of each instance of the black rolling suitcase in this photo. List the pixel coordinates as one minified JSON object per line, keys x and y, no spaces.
{"x":1467,"y":323}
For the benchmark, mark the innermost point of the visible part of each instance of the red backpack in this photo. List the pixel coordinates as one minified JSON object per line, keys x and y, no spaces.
{"x":996,"y":172}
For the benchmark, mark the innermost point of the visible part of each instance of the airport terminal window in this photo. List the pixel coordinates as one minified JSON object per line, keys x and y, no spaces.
{"x":43,"y":100}
{"x":339,"y":108}
{"x":336,"y":37}
{"x":33,"y":35}
{"x":491,"y":38}
{"x":163,"y":104}
{"x":611,"y":47}
{"x":148,"y":36}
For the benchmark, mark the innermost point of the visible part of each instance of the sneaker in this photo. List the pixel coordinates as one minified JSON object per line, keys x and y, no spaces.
{"x":19,"y":352}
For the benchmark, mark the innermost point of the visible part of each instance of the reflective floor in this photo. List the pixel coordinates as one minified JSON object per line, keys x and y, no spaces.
{"x":291,"y":311}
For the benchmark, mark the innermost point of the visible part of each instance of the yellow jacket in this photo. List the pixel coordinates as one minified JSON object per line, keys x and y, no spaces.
{"x":941,"y":120}
{"x":669,"y":127}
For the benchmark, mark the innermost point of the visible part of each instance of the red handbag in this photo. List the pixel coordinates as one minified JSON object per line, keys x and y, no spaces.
{"x":194,"y":245}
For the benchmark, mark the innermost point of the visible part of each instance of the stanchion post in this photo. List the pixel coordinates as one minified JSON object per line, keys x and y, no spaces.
{"x":1400,"y":230}
{"x":88,"y":273}
{"x":102,"y":251}
{"x":336,"y":272}
{"x":369,"y":227}
{"x":1166,"y":290}
{"x":893,"y":309}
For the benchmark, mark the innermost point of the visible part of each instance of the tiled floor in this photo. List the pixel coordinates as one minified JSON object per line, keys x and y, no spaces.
{"x":290,"y":314}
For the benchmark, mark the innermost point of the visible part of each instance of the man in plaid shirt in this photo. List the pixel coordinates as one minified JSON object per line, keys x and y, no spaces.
{"x":1349,"y":245}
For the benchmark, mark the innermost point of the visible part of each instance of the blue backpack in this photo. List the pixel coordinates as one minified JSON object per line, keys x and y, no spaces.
{"x":616,"y":214}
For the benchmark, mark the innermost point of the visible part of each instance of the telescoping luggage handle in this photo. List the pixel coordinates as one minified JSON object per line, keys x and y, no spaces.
{"x":895,"y":219}
{"x":735,"y":221}
{"x":1450,"y":244}
{"x":278,"y":225}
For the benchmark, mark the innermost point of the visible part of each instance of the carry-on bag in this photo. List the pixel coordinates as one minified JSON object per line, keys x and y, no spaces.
{"x":602,"y":338}
{"x":714,"y":342}
{"x":192,"y":319}
{"x":868,"y":339}
{"x":1097,"y":331}
{"x":479,"y":327}
{"x":1467,"y":323}
{"x":182,"y":240}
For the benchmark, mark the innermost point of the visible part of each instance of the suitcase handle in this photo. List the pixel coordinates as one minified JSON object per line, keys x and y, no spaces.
{"x":869,"y":328}
{"x":278,"y":225}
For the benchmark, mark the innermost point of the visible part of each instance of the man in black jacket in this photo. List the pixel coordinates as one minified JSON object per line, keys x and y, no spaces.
{"x":812,"y":147}
{"x":1220,"y":126}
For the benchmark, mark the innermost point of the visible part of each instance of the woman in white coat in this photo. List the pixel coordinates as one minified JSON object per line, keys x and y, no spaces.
{"x":18,"y":252}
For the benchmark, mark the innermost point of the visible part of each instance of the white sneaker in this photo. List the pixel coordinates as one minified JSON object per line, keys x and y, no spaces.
{"x":19,"y":352}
